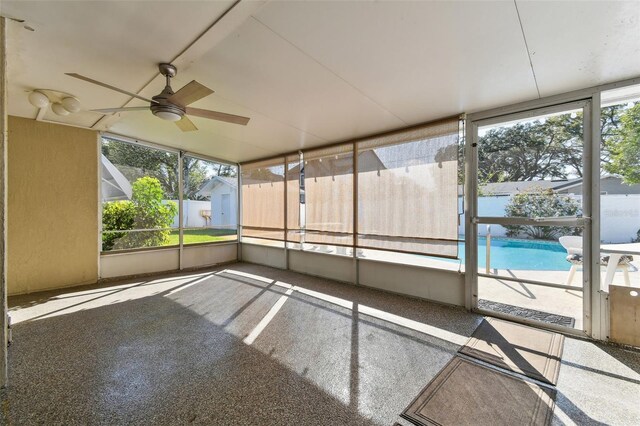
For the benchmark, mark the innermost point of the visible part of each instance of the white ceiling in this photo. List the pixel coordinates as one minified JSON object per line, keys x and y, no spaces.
{"x":311,"y":73}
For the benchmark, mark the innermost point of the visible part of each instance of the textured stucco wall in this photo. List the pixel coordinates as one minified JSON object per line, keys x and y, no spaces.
{"x":52,"y":206}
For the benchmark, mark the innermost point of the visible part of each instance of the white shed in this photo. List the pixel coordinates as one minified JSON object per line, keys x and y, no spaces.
{"x":223,"y":193}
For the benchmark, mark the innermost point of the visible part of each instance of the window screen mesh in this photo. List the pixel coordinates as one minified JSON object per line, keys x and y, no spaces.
{"x":407,"y":191}
{"x":263,"y":199}
{"x":328,"y":195}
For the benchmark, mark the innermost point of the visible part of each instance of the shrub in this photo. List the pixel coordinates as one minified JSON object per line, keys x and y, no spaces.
{"x":145,"y":211}
{"x":539,"y":202}
{"x":116,"y":216}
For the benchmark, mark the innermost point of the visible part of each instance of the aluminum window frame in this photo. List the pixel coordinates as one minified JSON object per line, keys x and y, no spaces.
{"x":181,"y":154}
{"x":471,"y":233}
{"x":597,"y":323}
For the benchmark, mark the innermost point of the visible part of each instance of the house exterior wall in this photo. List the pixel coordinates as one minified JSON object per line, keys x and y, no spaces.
{"x":217,"y":218}
{"x":52,"y":206}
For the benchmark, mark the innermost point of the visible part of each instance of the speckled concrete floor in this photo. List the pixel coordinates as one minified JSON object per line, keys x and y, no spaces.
{"x":256,"y":345}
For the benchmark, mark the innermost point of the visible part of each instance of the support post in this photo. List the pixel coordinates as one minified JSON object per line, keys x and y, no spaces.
{"x":239,"y":211}
{"x":470,"y":213}
{"x":180,"y":207}
{"x":597,"y":323}
{"x":286,"y":212}
{"x":303,"y":211}
{"x":3,"y":209}
{"x":356,"y":276}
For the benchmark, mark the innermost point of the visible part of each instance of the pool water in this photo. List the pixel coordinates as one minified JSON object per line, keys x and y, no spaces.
{"x":533,"y":255}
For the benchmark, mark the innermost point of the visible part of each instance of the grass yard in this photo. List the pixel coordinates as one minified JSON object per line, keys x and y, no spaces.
{"x":202,"y":235}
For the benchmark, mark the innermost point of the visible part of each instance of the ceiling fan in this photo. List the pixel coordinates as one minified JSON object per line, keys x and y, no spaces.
{"x":170,"y":105}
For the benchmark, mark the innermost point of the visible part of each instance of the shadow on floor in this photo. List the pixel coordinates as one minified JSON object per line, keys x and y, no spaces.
{"x":110,"y":286}
{"x":181,"y":356}
{"x":629,"y":357}
{"x":572,"y":412}
{"x":154,"y":362}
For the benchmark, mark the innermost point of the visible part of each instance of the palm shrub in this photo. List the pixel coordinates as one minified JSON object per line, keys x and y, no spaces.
{"x":540,"y":202}
{"x":145,"y":211}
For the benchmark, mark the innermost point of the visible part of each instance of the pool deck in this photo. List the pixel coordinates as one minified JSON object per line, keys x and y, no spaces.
{"x":546,"y":299}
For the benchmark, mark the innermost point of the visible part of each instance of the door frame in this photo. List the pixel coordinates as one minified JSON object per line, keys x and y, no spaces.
{"x":594,"y":302}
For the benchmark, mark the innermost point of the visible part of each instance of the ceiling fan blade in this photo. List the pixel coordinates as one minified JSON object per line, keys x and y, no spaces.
{"x":109,"y":110}
{"x":185,"y":124}
{"x":108,"y":86}
{"x":190,"y":93}
{"x":220,"y":116}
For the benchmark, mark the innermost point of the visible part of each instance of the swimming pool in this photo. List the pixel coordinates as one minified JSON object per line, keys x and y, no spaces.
{"x":511,"y":253}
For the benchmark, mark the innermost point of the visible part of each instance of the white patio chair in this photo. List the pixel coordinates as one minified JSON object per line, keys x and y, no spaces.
{"x":573,"y":246}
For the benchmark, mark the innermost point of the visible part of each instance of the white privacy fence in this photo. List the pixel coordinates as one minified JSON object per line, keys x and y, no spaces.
{"x":620,"y":216}
{"x":192,"y":211}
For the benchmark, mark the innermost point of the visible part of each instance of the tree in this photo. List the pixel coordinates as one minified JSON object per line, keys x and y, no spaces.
{"x":225,"y":170}
{"x":146,"y":212}
{"x":569,"y":128}
{"x":609,"y":129}
{"x":136,"y":161}
{"x":551,"y":148}
{"x":194,"y":176}
{"x":625,"y":147}
{"x":522,"y":152}
{"x":539,"y":202}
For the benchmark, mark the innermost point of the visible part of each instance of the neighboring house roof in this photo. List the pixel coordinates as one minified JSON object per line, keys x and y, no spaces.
{"x":114,"y":185}
{"x":510,"y":188}
{"x":207,"y":188}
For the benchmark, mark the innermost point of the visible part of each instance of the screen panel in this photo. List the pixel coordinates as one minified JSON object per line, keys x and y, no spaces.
{"x":294,"y":193}
{"x":328,"y":195}
{"x":210,"y":201}
{"x":139,"y":196}
{"x":408,"y":191}
{"x":263,"y":189}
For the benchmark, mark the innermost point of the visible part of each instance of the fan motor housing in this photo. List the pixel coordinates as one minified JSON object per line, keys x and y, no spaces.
{"x":162,"y":104}
{"x":166,"y":107}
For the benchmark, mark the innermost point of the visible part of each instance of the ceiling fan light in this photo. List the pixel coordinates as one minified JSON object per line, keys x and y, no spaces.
{"x":59,"y":109}
{"x":168,"y":115}
{"x":71,"y":104}
{"x":38,"y":99}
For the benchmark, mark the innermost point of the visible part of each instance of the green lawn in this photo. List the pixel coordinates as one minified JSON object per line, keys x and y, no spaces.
{"x":204,"y":235}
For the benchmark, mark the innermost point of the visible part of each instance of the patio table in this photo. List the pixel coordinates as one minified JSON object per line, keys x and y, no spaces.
{"x":616,"y":251}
